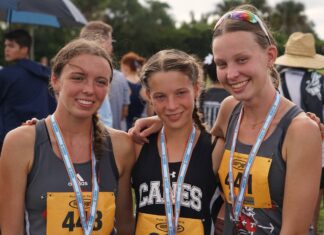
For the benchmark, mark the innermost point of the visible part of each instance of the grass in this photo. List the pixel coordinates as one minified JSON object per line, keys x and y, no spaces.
{"x":321,"y":220}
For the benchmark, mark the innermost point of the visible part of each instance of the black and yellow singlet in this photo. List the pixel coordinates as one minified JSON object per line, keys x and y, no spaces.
{"x":200,"y":191}
{"x":51,"y":206}
{"x":262,"y":208}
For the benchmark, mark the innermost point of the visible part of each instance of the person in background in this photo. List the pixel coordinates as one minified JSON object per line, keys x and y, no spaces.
{"x":303,"y":85}
{"x":211,"y":98}
{"x":174,"y":178}
{"x":44,"y":61}
{"x":130,"y":65}
{"x":116,"y":104}
{"x":74,"y":176}
{"x":24,"y":83}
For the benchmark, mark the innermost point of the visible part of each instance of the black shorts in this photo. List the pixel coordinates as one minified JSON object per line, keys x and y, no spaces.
{"x":322,"y":179}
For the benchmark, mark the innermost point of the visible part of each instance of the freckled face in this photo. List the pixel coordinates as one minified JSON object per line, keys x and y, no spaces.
{"x":242,"y":65}
{"x":172,"y":95}
{"x":82,"y":85}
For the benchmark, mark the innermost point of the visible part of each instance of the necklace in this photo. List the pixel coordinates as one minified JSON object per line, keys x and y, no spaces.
{"x":87,"y":222}
{"x":238,"y":200}
{"x":254,"y":125}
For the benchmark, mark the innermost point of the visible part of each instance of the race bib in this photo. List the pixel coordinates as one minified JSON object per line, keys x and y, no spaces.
{"x":257,"y":193}
{"x":148,"y":224}
{"x":63,"y":215}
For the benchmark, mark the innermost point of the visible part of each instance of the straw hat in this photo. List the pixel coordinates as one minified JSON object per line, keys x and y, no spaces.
{"x":300,"y":52}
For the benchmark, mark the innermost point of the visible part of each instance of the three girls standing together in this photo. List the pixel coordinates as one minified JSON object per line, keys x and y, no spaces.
{"x":267,"y":152}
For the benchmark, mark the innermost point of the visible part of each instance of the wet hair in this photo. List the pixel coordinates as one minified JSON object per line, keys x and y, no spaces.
{"x":96,"y":31}
{"x":71,"y":50}
{"x":75,"y":48}
{"x":20,"y":36}
{"x":263,"y":40}
{"x":174,"y":60}
{"x":133,"y":61}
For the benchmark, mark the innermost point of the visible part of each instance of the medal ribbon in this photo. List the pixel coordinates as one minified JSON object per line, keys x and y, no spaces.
{"x":237,"y":204}
{"x":172,"y":225}
{"x":87,"y":227}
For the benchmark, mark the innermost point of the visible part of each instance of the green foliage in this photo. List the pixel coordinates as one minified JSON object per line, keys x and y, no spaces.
{"x":321,"y":219}
{"x":143,"y":29}
{"x":146,"y":26}
{"x":289,"y":17}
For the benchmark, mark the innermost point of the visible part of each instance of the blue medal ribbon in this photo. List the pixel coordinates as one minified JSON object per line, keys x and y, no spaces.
{"x":173,"y":220}
{"x":87,"y":227}
{"x":237,"y":202}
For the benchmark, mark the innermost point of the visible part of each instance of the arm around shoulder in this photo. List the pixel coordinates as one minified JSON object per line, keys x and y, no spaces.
{"x":302,"y":151}
{"x":15,"y":163}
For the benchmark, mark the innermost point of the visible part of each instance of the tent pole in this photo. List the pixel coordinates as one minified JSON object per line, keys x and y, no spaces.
{"x":32,"y":51}
{"x":9,"y":16}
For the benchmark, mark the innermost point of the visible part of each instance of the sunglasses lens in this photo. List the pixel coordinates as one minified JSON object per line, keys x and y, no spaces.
{"x":243,"y":16}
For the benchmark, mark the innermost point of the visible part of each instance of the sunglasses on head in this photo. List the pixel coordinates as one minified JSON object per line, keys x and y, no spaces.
{"x":246,"y":16}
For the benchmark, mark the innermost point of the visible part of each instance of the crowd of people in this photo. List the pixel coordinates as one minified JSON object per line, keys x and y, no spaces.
{"x":243,"y":155}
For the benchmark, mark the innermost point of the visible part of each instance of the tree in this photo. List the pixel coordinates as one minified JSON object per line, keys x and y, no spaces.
{"x":143,"y":29}
{"x":147,"y":28}
{"x":289,"y":16}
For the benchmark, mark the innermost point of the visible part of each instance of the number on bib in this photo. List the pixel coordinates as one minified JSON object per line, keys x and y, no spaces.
{"x":70,"y":223}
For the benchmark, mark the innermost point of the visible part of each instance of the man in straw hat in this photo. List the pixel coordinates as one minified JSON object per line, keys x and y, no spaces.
{"x":299,"y":80}
{"x":302,"y":84}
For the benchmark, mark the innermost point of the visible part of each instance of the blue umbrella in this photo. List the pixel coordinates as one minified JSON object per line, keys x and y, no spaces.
{"x":54,"y":13}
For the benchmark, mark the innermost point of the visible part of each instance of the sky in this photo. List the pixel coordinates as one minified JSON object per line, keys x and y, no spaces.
{"x":181,"y":10}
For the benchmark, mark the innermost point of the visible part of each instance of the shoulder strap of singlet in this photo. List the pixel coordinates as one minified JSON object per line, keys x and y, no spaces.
{"x":235,"y":112}
{"x":41,"y":136}
{"x":214,"y":142}
{"x":286,"y":120}
{"x":288,"y":117}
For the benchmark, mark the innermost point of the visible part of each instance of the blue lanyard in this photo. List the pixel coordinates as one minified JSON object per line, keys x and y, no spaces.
{"x":173,"y":224}
{"x":237,"y":204}
{"x":87,"y":227}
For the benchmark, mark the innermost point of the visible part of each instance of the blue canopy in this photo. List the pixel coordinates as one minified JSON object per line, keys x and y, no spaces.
{"x":54,"y":13}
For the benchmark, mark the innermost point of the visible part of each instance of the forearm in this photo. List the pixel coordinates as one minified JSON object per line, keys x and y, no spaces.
{"x":124,"y":113}
{"x":127,"y":226}
{"x":125,"y":221}
{"x":11,"y":223}
{"x":11,"y":211}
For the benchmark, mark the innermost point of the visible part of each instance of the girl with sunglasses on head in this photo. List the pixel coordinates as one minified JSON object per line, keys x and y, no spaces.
{"x":63,"y":175}
{"x":271,"y":165}
{"x":174,"y":177}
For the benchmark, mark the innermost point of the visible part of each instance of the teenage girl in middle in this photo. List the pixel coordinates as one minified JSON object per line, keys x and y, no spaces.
{"x":175,"y":175}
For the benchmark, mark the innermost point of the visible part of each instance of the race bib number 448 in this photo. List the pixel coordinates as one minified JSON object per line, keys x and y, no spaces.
{"x":63,"y":215}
